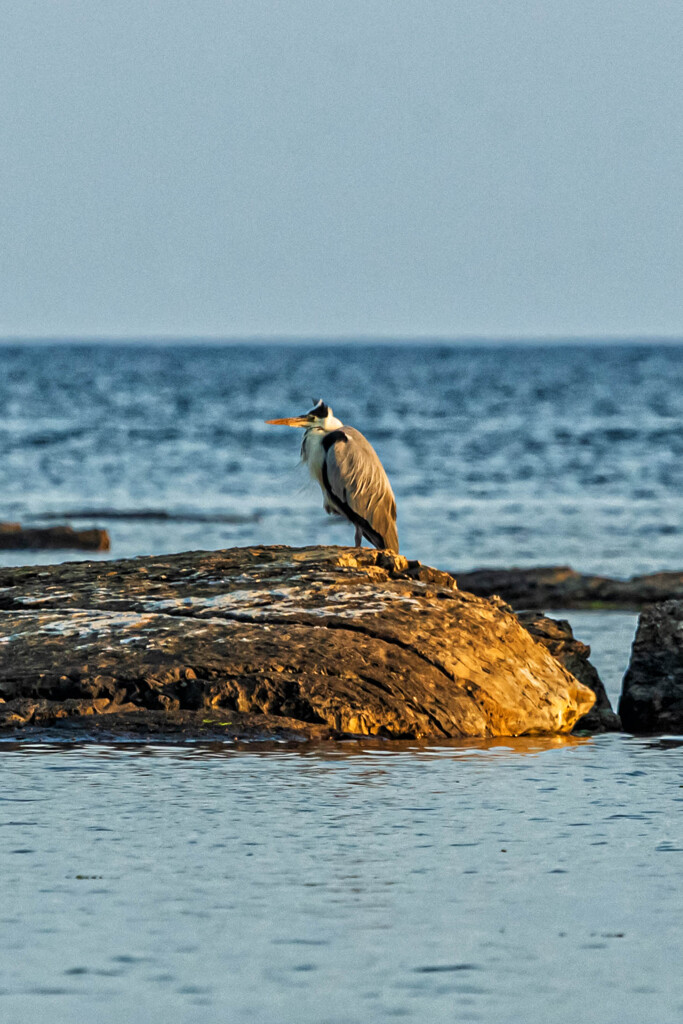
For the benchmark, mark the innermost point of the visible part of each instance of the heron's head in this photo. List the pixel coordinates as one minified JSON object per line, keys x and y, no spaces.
{"x":319,"y":418}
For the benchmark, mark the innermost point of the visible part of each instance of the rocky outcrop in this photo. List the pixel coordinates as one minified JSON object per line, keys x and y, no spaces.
{"x":557,"y":635}
{"x":652,"y":692}
{"x":16,"y":536}
{"x":323,"y":640}
{"x":559,"y":586}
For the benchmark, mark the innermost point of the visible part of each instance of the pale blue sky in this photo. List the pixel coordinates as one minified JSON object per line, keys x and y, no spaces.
{"x":341,"y":167}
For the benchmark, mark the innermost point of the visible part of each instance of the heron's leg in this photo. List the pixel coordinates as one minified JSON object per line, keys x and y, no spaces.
{"x":359,"y":537}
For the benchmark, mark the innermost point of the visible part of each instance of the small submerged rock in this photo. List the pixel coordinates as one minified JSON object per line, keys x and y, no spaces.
{"x":318,"y":639}
{"x":559,"y":586}
{"x":652,"y":692}
{"x":15,"y":536}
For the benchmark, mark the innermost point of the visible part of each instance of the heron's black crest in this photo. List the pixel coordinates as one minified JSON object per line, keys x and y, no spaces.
{"x":319,"y":410}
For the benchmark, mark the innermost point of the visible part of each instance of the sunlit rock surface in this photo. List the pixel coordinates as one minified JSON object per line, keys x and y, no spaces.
{"x":312,"y":639}
{"x":652,"y":693}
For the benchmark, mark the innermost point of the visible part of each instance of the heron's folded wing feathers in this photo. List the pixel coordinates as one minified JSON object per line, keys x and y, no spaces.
{"x":357,"y":481}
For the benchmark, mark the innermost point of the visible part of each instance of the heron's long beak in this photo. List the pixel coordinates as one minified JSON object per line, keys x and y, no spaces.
{"x":290,"y":421}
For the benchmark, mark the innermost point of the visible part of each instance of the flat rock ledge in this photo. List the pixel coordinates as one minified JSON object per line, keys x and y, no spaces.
{"x":652,"y":692}
{"x":559,"y":586}
{"x":14,"y":536}
{"x":315,"y":642}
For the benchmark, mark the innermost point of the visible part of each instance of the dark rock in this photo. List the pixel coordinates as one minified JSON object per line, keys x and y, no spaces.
{"x":652,"y":691}
{"x":326,"y":639}
{"x":13,"y":535}
{"x":561,"y":587}
{"x":558,"y":637}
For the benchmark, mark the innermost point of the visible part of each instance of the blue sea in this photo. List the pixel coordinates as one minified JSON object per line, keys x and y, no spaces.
{"x":508,"y":454}
{"x":534,"y":880}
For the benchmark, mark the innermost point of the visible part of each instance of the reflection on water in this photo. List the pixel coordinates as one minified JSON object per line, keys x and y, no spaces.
{"x":518,"y":880}
{"x":319,"y":749}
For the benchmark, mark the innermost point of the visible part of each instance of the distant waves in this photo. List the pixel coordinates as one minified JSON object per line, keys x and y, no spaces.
{"x":499,"y":455}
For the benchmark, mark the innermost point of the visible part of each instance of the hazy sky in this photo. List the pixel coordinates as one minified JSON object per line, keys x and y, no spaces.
{"x":336,"y":167}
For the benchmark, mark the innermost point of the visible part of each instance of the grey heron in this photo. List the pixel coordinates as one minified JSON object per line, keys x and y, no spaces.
{"x":350,"y":474}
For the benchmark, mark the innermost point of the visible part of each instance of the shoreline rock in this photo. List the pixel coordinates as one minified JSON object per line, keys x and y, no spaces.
{"x":14,"y":536}
{"x":652,"y":691}
{"x":559,"y":586}
{"x":324,"y":640}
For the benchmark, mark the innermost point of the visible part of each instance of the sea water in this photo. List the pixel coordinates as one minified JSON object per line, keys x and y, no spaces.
{"x":510,"y":881}
{"x":498,"y":455}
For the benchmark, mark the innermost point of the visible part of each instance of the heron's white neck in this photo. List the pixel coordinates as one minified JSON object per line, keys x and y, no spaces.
{"x":325,"y":426}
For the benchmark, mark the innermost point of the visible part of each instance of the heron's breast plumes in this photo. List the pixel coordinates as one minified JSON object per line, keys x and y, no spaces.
{"x":313,"y":453}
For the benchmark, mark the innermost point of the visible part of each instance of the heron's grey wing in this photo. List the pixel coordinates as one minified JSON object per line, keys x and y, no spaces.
{"x":355,"y":481}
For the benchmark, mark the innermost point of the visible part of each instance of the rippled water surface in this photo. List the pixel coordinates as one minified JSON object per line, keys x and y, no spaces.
{"x":529,"y":881}
{"x":509,"y":454}
{"x":519,"y":882}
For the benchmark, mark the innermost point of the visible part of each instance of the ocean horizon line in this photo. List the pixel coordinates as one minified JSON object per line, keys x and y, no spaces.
{"x":342,"y":339}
